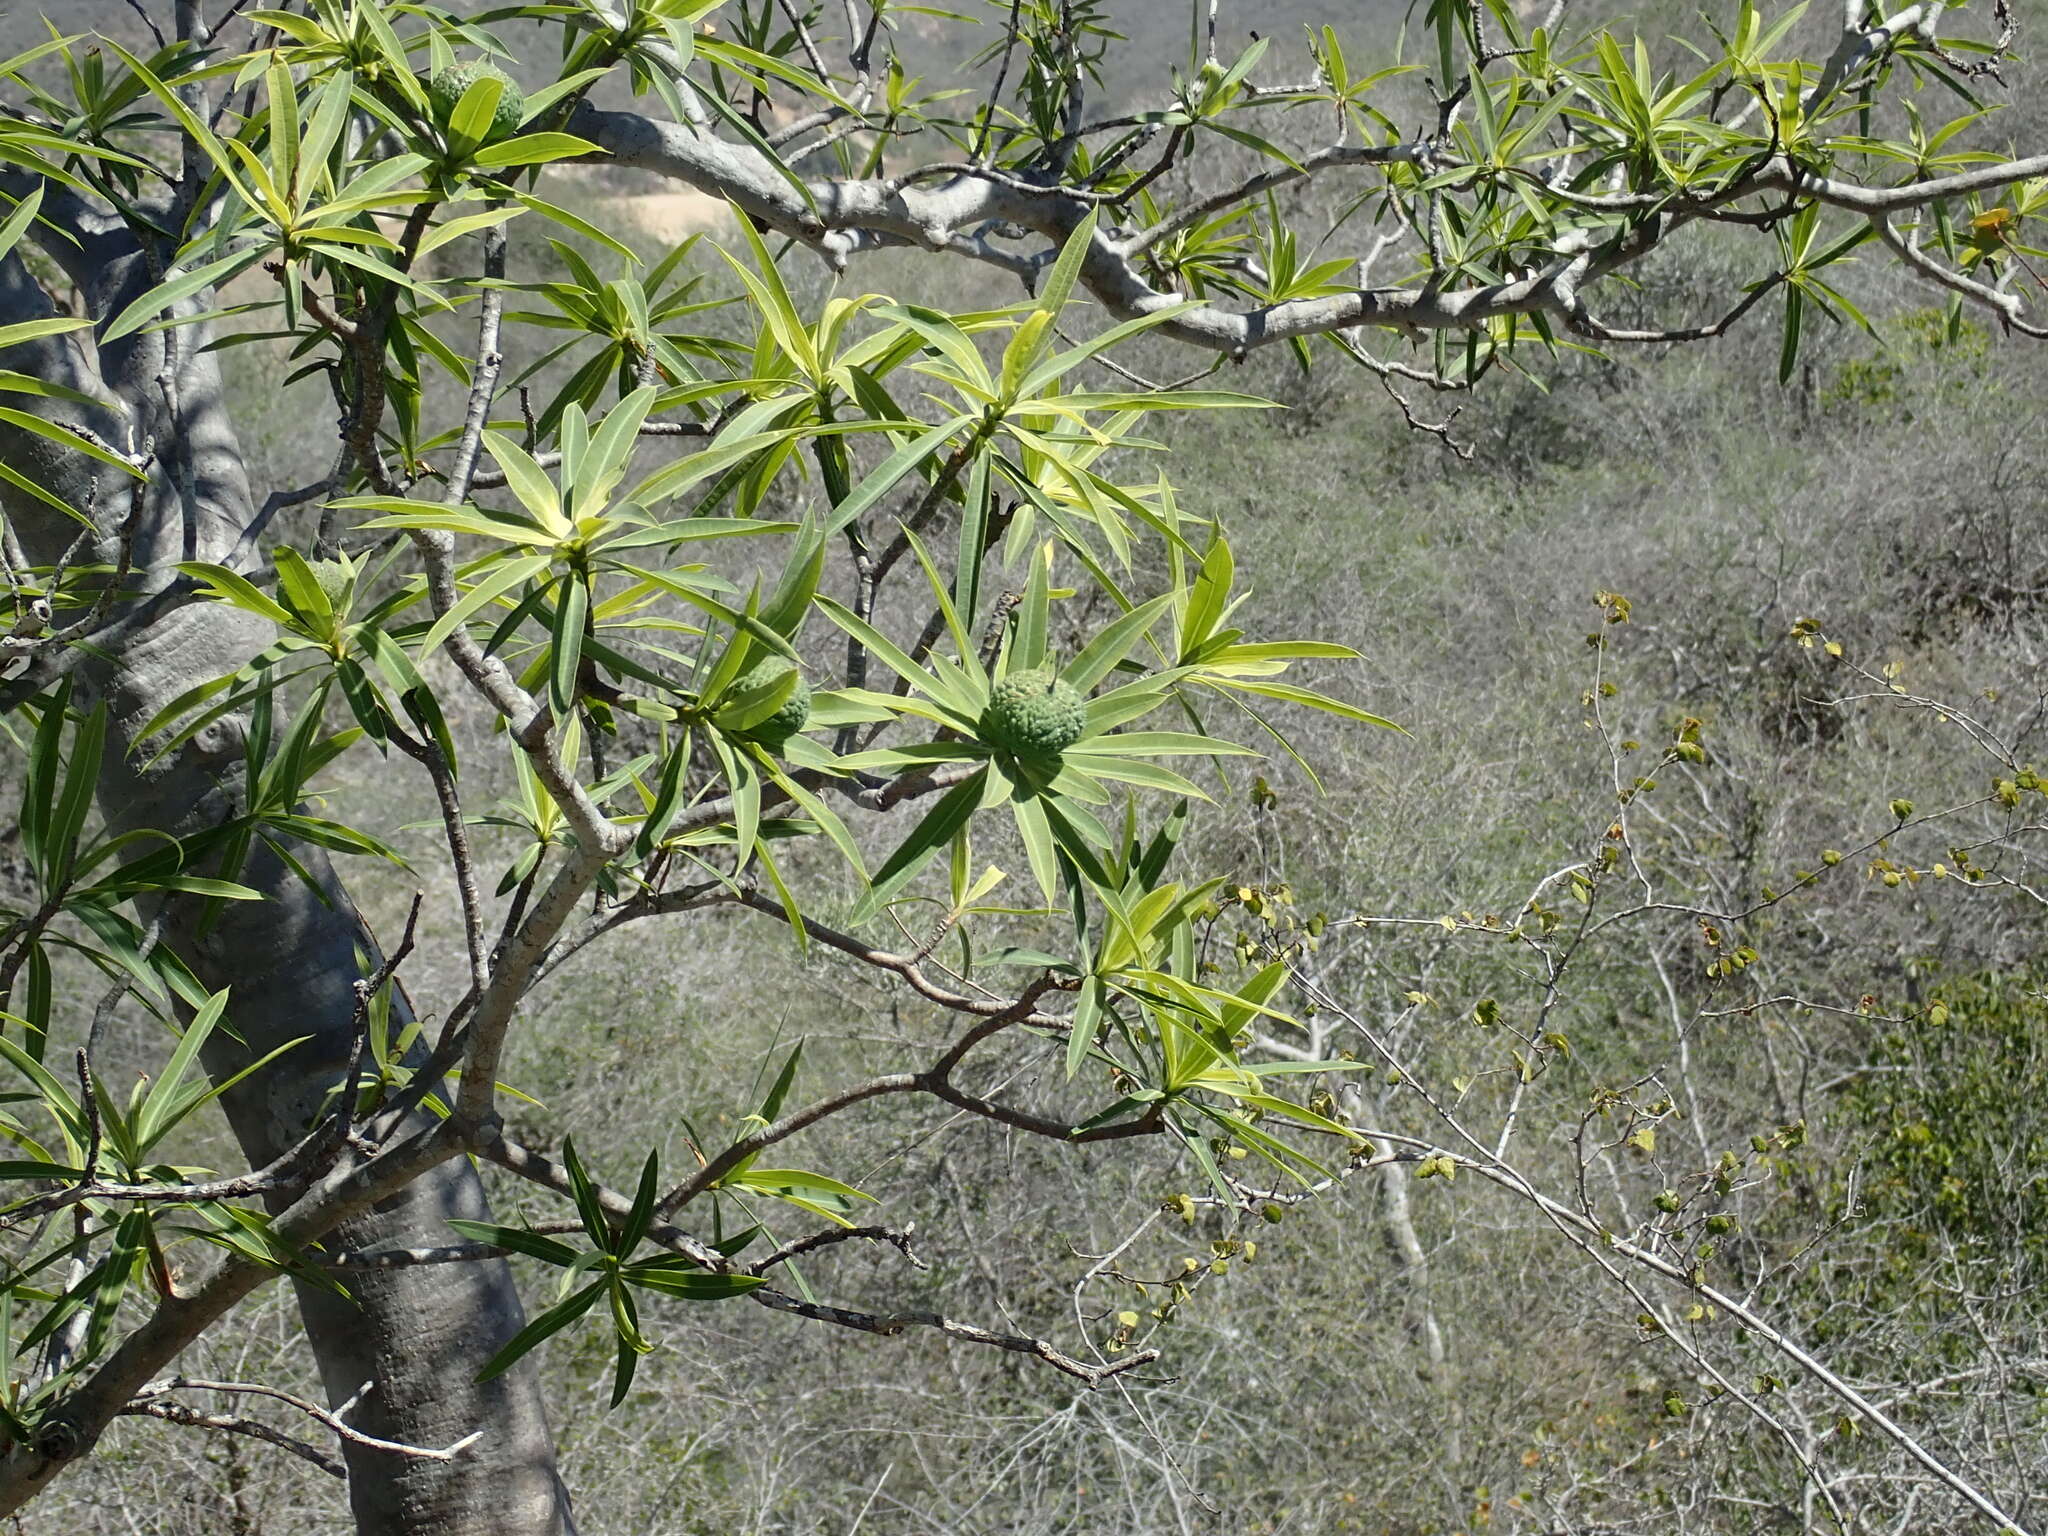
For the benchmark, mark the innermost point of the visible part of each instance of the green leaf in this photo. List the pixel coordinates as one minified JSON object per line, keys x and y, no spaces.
{"x":30,"y":330}
{"x":771,"y":297}
{"x":1087,"y":1019}
{"x":1059,"y":283}
{"x":778,"y":1092}
{"x":1287,"y":693}
{"x":81,"y":779}
{"x":1113,"y":644}
{"x":455,"y":229}
{"x":611,"y":448}
{"x":892,"y":469}
{"x":1063,"y":363}
{"x":500,"y":579}
{"x":641,"y":1217}
{"x":152,"y":1119}
{"x":771,"y":1180}
{"x":565,"y":656}
{"x":516,"y":1240}
{"x":176,"y":288}
{"x":57,"y":1100}
{"x":1788,"y":350}
{"x":45,"y":771}
{"x":363,"y":700}
{"x":588,"y":1206}
{"x":946,"y":690}
{"x":672,"y":1275}
{"x":470,"y":122}
{"x":295,"y":579}
{"x":17,"y":225}
{"x":571,"y":221}
{"x":189,"y":121}
{"x":532,"y":149}
{"x":931,"y":834}
{"x":58,"y":433}
{"x":233,"y":588}
{"x":548,"y":1324}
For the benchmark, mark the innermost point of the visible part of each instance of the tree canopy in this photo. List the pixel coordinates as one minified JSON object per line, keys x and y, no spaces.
{"x":875,"y":619}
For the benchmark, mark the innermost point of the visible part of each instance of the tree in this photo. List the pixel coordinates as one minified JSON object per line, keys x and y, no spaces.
{"x":661,"y":555}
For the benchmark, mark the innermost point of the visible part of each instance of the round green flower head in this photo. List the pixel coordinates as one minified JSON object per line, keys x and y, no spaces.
{"x":446,"y":89}
{"x":334,"y":580}
{"x":1034,"y":714}
{"x":790,"y":714}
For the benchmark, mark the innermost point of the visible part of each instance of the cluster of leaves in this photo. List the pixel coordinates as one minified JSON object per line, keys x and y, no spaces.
{"x":592,"y":583}
{"x":674,"y":697}
{"x":1542,"y":143}
{"x":68,"y":1283}
{"x":1947,"y":1107}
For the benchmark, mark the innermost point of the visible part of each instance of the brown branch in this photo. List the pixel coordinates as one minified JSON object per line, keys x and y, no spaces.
{"x":332,"y":1419}
{"x":543,"y":1171}
{"x":935,"y":1080}
{"x":891,"y":1324}
{"x":254,"y":1429}
{"x":831,"y":1236}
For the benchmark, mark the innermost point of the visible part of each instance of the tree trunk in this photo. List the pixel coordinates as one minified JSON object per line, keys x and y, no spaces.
{"x":419,"y":1334}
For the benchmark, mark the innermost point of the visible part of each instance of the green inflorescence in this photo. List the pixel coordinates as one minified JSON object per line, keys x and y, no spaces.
{"x":446,"y":90}
{"x":1034,"y":715}
{"x":790,"y":714}
{"x":334,"y":580}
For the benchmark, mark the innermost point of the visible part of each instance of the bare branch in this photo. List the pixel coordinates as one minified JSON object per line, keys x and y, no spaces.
{"x":891,"y":1324}
{"x":831,"y":1236}
{"x":254,"y":1429}
{"x":333,"y":1421}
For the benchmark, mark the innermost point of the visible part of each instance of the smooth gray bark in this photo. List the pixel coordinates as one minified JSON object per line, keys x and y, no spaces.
{"x":419,"y":1334}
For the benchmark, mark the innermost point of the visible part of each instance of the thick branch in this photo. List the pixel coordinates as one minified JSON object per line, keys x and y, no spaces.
{"x":847,"y":217}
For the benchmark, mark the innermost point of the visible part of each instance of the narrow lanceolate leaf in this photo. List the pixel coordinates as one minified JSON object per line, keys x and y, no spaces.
{"x":891,"y":470}
{"x":81,"y":777}
{"x":572,"y":609}
{"x":1059,"y":283}
{"x":29,"y":330}
{"x":18,"y":222}
{"x":533,"y":149}
{"x":1113,"y":644}
{"x":1788,"y":350}
{"x":672,"y":1275}
{"x":1087,"y":1019}
{"x":45,"y":758}
{"x":470,"y":122}
{"x":778,"y":310}
{"x":24,"y":484}
{"x":1287,"y":693}
{"x":175,"y":289}
{"x":56,"y":432}
{"x":153,"y":1117}
{"x":931,"y":834}
{"x":534,"y":1245}
{"x":946,"y":690}
{"x":469,"y":224}
{"x":548,"y":1324}
{"x":233,"y":587}
{"x":496,"y":582}
{"x":188,"y":121}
